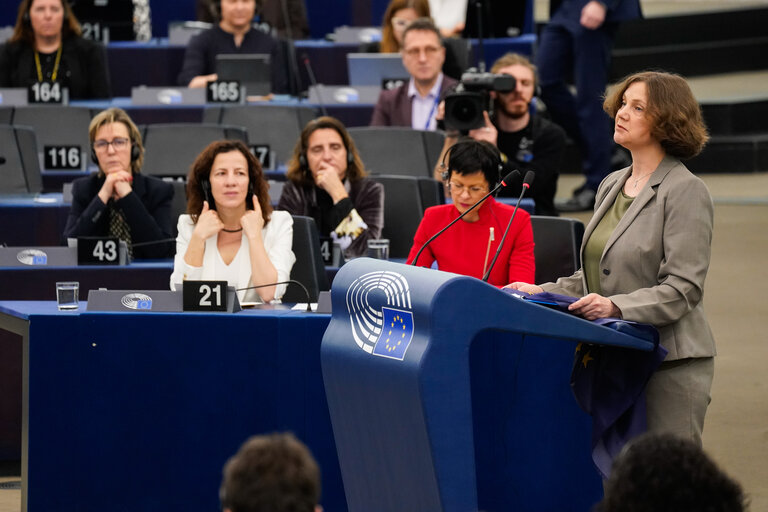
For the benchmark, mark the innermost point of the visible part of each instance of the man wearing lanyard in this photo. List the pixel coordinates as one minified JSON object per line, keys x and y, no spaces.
{"x":415,"y":104}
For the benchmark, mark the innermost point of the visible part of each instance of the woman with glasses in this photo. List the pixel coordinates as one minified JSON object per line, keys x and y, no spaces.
{"x":469,"y":246}
{"x":119,"y":201}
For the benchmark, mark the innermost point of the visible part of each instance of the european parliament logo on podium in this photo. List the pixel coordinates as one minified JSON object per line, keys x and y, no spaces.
{"x":379,"y":305}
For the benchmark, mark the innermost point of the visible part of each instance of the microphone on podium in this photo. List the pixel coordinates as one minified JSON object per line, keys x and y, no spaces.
{"x":515,"y":174}
{"x":529,"y":176}
{"x":289,"y":281}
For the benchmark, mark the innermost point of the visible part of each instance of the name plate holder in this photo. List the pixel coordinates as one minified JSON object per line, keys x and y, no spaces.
{"x":95,"y":250}
{"x":13,"y":97}
{"x":38,"y":256}
{"x":147,"y":301}
{"x":167,"y":96}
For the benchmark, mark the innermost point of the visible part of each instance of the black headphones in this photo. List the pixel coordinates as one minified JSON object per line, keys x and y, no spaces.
{"x":445,"y":173}
{"x":25,"y":17}
{"x":135,"y":153}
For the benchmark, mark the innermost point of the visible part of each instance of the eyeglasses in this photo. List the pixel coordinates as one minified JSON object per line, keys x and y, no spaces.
{"x":458,"y":189}
{"x":430,"y":51}
{"x":400,"y":23}
{"x":119,"y":143}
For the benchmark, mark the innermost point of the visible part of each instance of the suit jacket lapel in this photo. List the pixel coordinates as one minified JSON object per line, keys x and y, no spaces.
{"x":646,"y":194}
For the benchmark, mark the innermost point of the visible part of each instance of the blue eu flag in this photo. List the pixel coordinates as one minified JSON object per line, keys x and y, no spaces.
{"x":396,"y":334}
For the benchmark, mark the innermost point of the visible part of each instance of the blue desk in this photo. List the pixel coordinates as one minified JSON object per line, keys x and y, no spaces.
{"x":159,"y":401}
{"x":33,"y":219}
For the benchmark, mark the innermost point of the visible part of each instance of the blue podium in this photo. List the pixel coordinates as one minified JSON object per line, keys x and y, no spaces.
{"x":448,"y":394}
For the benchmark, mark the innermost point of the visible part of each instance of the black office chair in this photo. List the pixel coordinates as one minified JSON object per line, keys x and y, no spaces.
{"x":308,"y":269}
{"x":179,"y":202}
{"x":404,"y":205}
{"x":558,"y":241}
{"x":20,"y":174}
{"x":278,"y":127}
{"x":57,"y":125}
{"x":170,"y":149}
{"x":6,"y":115}
{"x":397,"y":150}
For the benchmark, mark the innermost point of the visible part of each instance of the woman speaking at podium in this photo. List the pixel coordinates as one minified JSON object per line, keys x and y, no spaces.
{"x":230,"y":232}
{"x":469,"y":246}
{"x":645,"y":253}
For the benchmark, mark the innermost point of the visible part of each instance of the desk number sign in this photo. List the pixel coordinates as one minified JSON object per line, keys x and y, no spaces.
{"x":205,"y":296}
{"x":223,"y":91}
{"x":62,"y":157}
{"x":98,"y":251}
{"x":45,"y":92}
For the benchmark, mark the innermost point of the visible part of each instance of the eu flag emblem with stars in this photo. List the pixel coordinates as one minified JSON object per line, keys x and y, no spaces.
{"x":396,"y":334}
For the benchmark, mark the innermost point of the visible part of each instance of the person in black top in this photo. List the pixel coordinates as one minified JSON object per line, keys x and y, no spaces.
{"x":233,"y":34}
{"x":270,"y":12}
{"x":46,"y":46}
{"x":327,"y":181}
{"x":528,"y":141}
{"x":118,"y":200}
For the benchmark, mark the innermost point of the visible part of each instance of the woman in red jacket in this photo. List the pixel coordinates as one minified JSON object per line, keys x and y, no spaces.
{"x":468,"y":247}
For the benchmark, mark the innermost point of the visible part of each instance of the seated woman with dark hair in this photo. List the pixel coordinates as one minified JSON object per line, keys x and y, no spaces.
{"x":230,"y":232}
{"x":119,"y":201}
{"x":468,"y":247}
{"x":46,"y":47}
{"x":326,"y":181}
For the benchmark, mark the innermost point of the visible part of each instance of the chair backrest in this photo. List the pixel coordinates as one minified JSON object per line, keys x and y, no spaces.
{"x":170,"y":149}
{"x":404,"y":207}
{"x":308,"y":269}
{"x":57,"y":125}
{"x":558,"y":240}
{"x":6,"y":115}
{"x":20,"y":173}
{"x":460,"y":50}
{"x":397,"y":151}
{"x":179,"y":202}
{"x":277,"y":126}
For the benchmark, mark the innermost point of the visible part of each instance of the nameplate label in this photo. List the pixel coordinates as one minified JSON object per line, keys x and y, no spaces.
{"x":205,"y":295}
{"x":223,"y":91}
{"x":98,"y":251}
{"x":264,"y":153}
{"x":62,"y":157}
{"x":48,"y":93}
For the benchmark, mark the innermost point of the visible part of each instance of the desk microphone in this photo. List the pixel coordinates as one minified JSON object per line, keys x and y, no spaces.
{"x":503,"y":183}
{"x":153,"y":242}
{"x":526,"y":185}
{"x":290,"y":281}
{"x":2,"y":160}
{"x":313,"y":82}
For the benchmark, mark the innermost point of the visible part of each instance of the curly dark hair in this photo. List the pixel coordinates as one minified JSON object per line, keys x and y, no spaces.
{"x":201,"y":170}
{"x":271,"y":473}
{"x":299,"y":172}
{"x":673,"y":112}
{"x":664,"y":473}
{"x":22,"y":31}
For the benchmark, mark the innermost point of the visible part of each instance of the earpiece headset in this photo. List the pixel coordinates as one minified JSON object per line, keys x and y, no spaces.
{"x":445,"y":173}
{"x":135,"y":153}
{"x":25,"y":17}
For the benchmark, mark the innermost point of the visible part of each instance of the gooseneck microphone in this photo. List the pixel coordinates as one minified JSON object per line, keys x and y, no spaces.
{"x":526,"y":185}
{"x":503,"y":183}
{"x":289,"y":281}
{"x":154,"y":242}
{"x":313,"y":82}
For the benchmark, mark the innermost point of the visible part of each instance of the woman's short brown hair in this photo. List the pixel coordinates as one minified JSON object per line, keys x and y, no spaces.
{"x":201,"y":171}
{"x":298,"y":168}
{"x":388,"y":42}
{"x":22,"y":31}
{"x":672,"y":110}
{"x":118,"y":115}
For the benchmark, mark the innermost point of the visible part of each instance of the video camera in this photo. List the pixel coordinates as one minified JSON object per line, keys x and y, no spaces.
{"x":465,"y":105}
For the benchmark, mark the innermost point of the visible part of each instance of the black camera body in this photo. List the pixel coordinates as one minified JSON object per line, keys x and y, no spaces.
{"x":464,"y":106}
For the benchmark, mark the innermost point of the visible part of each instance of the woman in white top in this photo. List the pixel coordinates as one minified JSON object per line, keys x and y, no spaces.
{"x":230,"y":231}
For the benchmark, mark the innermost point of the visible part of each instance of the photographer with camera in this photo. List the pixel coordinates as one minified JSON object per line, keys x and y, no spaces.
{"x":527,"y":140}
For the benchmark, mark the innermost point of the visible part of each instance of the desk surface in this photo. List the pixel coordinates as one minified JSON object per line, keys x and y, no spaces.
{"x":161,"y":401}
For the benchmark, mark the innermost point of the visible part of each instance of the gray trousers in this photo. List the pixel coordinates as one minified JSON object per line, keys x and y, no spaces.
{"x":678,"y":395}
